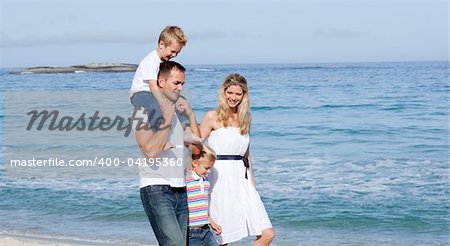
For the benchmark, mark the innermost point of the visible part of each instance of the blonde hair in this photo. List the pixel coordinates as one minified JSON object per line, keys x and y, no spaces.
{"x":207,"y":153}
{"x":172,"y":33}
{"x":223,"y":110}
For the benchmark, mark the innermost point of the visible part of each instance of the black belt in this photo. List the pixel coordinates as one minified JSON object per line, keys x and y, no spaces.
{"x":235,"y":157}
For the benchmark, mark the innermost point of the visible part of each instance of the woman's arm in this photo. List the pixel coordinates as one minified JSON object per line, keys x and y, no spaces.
{"x":250,"y":166}
{"x":250,"y":163}
{"x":208,"y":124}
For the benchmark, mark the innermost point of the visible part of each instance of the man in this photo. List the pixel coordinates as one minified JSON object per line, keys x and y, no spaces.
{"x":162,"y":171}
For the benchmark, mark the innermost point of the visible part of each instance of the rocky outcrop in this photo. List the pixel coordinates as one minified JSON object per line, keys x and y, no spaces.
{"x":91,"y":67}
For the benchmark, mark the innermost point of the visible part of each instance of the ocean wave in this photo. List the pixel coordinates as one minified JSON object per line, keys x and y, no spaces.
{"x":367,"y":105}
{"x":366,"y":218}
{"x":270,"y":108}
{"x":204,"y":70}
{"x":253,"y":108}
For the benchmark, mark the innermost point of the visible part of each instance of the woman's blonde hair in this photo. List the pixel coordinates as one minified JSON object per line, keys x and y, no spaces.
{"x":172,"y":33}
{"x":224,"y":111}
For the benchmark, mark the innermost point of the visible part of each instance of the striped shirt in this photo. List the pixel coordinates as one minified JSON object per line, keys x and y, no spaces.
{"x":197,"y":193}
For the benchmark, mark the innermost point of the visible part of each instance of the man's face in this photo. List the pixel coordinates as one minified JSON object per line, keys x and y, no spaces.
{"x":172,"y":85}
{"x":169,"y":51}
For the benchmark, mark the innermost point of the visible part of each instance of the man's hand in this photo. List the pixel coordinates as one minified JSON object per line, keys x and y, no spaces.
{"x":169,"y":146}
{"x":193,"y":143}
{"x":183,"y":106}
{"x":191,"y":138}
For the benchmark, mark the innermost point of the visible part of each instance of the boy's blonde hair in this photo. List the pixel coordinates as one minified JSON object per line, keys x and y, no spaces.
{"x":223,"y":110}
{"x":207,"y":153}
{"x":172,"y":33}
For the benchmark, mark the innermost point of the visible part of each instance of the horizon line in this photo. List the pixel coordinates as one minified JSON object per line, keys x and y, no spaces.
{"x":245,"y":63}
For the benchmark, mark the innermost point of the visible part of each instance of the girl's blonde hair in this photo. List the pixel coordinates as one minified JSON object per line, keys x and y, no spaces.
{"x":172,"y":33}
{"x":224,"y":111}
{"x":207,"y":153}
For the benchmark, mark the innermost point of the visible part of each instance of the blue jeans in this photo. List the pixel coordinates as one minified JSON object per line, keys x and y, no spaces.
{"x":167,"y":210}
{"x":201,"y":237}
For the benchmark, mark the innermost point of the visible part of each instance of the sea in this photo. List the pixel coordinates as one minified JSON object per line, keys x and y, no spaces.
{"x":343,"y":153}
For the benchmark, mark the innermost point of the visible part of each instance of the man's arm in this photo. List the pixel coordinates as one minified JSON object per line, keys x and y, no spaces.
{"x":194,"y":126}
{"x":184,"y":107}
{"x":152,"y":143}
{"x":192,"y":132}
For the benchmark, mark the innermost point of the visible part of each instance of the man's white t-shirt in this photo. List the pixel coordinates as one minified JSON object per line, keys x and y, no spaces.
{"x":147,"y":70}
{"x":169,"y":167}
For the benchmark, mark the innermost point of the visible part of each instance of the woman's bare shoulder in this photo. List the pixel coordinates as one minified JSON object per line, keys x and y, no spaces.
{"x":211,"y":115}
{"x":210,"y":119}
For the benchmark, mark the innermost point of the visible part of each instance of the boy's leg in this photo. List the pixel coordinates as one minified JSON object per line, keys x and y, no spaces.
{"x":146,"y":100}
{"x":159,"y":203}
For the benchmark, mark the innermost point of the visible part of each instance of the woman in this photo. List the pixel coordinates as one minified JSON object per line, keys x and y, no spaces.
{"x":234,"y":202}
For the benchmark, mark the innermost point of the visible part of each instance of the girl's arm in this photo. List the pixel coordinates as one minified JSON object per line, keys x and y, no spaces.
{"x":217,"y":228}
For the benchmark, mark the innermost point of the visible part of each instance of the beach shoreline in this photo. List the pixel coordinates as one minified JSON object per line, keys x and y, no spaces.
{"x":7,"y":239}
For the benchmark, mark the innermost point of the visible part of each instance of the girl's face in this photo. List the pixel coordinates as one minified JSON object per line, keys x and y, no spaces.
{"x":202,"y":167}
{"x":234,"y":95}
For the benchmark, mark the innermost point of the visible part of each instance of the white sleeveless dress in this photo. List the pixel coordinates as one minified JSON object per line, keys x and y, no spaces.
{"x":235,"y":204}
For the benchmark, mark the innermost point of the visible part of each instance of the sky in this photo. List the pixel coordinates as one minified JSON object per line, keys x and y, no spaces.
{"x":63,"y":33}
